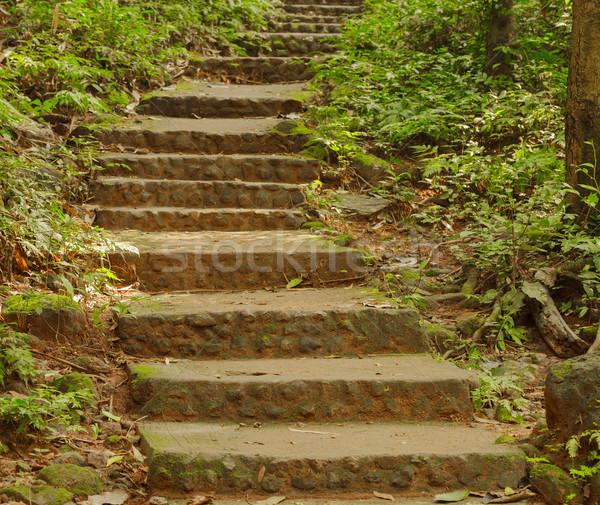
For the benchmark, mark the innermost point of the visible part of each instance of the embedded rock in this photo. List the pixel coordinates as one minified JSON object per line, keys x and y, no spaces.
{"x":572,"y":393}
{"x":80,"y":480}
{"x":38,"y":495}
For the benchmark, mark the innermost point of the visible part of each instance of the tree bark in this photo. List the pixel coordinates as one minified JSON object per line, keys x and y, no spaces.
{"x":502,"y":28}
{"x":582,"y":122}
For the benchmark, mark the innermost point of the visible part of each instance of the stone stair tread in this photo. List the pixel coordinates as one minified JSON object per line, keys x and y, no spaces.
{"x":204,"y":136}
{"x":214,"y":241}
{"x":294,"y":300}
{"x":356,"y":439}
{"x":236,"y":126}
{"x":414,"y":368}
{"x":292,"y":35}
{"x":222,"y":90}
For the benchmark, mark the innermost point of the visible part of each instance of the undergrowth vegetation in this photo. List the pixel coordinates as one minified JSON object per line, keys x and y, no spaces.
{"x":410,"y":82}
{"x":62,"y":64}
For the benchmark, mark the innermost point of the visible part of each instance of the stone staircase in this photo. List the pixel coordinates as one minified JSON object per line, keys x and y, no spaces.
{"x":246,"y":386}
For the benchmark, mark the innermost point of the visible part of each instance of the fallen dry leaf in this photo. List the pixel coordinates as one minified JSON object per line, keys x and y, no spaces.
{"x":200,"y":499}
{"x":261,"y":474}
{"x":383,"y":496}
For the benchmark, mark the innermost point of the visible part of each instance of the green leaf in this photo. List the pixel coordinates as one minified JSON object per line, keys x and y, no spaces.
{"x":114,"y":459}
{"x":452,"y":497}
{"x":293,"y":283}
{"x":106,"y":413}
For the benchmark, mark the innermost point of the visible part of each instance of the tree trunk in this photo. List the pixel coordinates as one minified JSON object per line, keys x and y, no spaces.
{"x":582,"y":120}
{"x":502,"y":28}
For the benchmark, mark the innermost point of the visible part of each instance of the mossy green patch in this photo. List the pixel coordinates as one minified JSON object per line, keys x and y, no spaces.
{"x":35,"y":303}
{"x":38,"y":495}
{"x":75,"y":382}
{"x":80,"y":480}
{"x":142,"y":372}
{"x":562,"y":370}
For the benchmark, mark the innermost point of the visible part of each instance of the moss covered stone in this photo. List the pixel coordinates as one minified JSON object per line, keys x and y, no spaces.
{"x":555,"y":485}
{"x":75,"y":382}
{"x":38,"y":495}
{"x":37,"y":302}
{"x":45,"y":315}
{"x":80,"y":480}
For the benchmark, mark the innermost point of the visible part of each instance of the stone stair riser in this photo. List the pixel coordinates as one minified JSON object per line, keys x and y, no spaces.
{"x":312,"y":19}
{"x":385,"y":399}
{"x":158,"y":219}
{"x":208,"y":168}
{"x":323,"y":10}
{"x":232,"y":268}
{"x":307,"y":27}
{"x":397,"y":475}
{"x":288,"y":44}
{"x":205,"y":143}
{"x":192,"y":194}
{"x":210,"y":107}
{"x":248,"y":70}
{"x":271,"y":334}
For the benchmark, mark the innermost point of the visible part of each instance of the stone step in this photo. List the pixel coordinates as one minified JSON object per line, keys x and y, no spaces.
{"x":252,"y":70}
{"x":322,"y":10}
{"x":263,"y":324}
{"x":307,"y":27}
{"x":309,"y":19}
{"x":130,"y":192}
{"x":182,"y":261}
{"x":207,"y":100}
{"x":401,"y":388}
{"x":177,"y":219}
{"x":288,"y":44}
{"x":265,"y":168}
{"x":204,"y":136}
{"x":350,"y":458}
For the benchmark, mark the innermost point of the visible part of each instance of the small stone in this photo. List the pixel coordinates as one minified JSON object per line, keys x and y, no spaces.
{"x":271,"y":484}
{"x":338,"y":479}
{"x":98,"y":459}
{"x":373,"y":477}
{"x":242,"y":483}
{"x":229,"y":463}
{"x":403,"y":477}
{"x":110,"y":428}
{"x":304,"y":482}
{"x":386,"y":462}
{"x":71,"y":457}
{"x":308,"y":344}
{"x":158,"y":500}
{"x":79,"y":480}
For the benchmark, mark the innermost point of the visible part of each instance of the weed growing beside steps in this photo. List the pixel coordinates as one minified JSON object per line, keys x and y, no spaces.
{"x":90,"y":56}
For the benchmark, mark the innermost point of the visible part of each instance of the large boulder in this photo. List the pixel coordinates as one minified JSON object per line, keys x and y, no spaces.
{"x":554,"y":485}
{"x":573,"y":395}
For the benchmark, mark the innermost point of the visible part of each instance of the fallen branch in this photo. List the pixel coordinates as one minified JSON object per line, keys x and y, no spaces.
{"x":479,"y":335}
{"x":596,"y":344}
{"x":552,"y":327}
